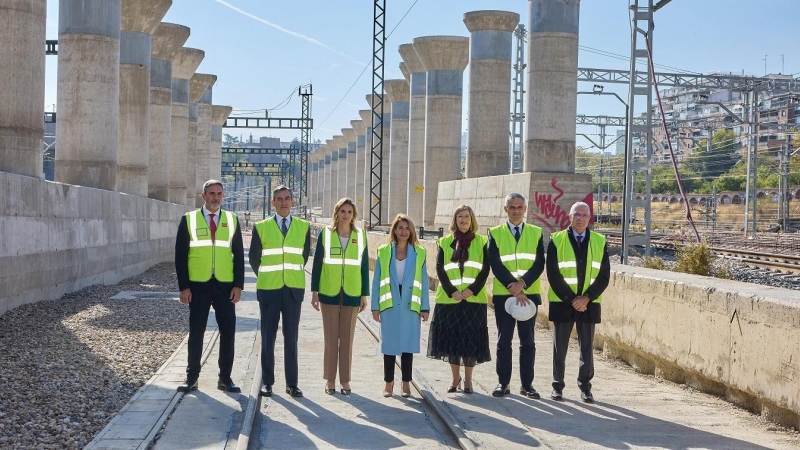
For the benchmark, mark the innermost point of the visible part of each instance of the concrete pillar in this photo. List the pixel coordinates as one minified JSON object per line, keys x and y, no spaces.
{"x":203,"y":141}
{"x":350,"y":136}
{"x":332,"y":180}
{"x":416,"y":132}
{"x":552,"y":77}
{"x":168,"y":38}
{"x":139,"y":20}
{"x":386,"y":174}
{"x":397,"y":91}
{"x":361,"y":130}
{"x":489,"y":91}
{"x":311,"y":172}
{"x":444,"y":58}
{"x":198,"y":85}
{"x":219,"y":114}
{"x":405,"y":71}
{"x":327,"y":207}
{"x":366,"y":171}
{"x":183,"y":67}
{"x":22,"y":32}
{"x":322,"y":164}
{"x":341,"y":185}
{"x":88,"y":93}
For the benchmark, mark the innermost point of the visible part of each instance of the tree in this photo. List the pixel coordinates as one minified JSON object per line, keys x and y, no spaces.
{"x":724,"y":153}
{"x":229,"y":140}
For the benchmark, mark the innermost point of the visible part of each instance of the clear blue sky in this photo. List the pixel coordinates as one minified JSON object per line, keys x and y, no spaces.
{"x":261,"y":50}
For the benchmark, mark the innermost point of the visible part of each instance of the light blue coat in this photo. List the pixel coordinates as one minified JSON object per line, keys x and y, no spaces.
{"x":400,"y":326}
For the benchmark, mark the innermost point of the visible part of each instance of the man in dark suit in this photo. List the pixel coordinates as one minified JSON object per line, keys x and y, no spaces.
{"x":516,"y":254}
{"x":578,"y":271}
{"x":278,"y":253}
{"x":209,"y":263}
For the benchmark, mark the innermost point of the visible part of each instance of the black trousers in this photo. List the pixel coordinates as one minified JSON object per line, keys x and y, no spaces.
{"x":205,"y":295}
{"x":505,"y":333}
{"x":406,"y":361}
{"x":274,"y":305}
{"x":561,"y":333}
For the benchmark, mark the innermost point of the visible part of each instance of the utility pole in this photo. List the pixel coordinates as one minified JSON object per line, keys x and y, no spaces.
{"x":518,"y":115}
{"x":783,"y":187}
{"x":714,"y":209}
{"x":600,"y":188}
{"x":751,"y":188}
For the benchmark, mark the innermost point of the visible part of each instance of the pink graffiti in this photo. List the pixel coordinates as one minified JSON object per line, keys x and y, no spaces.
{"x":549,"y":210}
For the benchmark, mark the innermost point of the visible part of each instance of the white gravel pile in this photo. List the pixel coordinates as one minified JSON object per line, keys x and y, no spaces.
{"x":68,"y":366}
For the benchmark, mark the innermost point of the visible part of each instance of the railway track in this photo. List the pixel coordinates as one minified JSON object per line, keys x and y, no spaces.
{"x":772,"y":257}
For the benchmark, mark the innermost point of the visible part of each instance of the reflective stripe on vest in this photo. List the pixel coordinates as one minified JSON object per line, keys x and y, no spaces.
{"x":341,"y":270}
{"x":281,"y":257}
{"x":568,"y":267}
{"x":517,"y":256}
{"x":385,"y":287}
{"x":209,"y":258}
{"x":472,"y":268}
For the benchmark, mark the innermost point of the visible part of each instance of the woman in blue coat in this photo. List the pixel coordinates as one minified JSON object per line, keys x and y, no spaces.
{"x":400,"y":300}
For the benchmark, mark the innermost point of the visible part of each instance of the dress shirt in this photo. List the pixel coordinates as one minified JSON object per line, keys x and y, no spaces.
{"x":206,"y":213}
{"x":279,"y":220}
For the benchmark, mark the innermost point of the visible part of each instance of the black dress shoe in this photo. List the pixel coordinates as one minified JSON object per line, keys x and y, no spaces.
{"x":587,"y":397}
{"x":226,"y":384}
{"x":556,"y":395}
{"x":294,"y":391}
{"x":501,"y":390}
{"x":529,"y":392}
{"x":188,"y":385}
{"x":266,"y":390}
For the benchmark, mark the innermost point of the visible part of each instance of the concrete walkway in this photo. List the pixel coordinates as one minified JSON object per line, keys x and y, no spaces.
{"x":632,"y":411}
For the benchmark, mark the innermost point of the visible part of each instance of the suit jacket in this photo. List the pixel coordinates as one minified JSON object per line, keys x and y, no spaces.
{"x":182,"y":255}
{"x":255,"y":261}
{"x":563,"y":311}
{"x":529,"y":277}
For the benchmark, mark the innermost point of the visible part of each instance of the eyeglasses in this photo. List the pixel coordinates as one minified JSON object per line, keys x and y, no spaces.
{"x":581,"y":216}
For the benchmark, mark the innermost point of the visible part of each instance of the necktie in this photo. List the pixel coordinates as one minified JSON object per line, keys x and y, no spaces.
{"x":579,"y":240}
{"x":285,"y":228}
{"x":213,"y":226}
{"x":516,"y":233}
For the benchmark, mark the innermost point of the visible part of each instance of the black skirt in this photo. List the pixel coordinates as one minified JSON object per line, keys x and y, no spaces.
{"x":459,"y":334}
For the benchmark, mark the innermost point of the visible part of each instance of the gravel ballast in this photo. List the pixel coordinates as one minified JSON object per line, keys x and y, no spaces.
{"x":69,"y":365}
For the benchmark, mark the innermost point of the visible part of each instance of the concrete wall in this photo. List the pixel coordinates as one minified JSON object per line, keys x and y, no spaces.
{"x":59,"y":238}
{"x":737,"y":340}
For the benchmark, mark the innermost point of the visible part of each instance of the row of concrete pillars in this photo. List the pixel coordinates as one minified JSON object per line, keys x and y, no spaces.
{"x":133,"y":114}
{"x":422,"y":121}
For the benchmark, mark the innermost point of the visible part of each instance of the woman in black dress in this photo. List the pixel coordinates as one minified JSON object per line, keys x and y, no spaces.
{"x":459,"y":333}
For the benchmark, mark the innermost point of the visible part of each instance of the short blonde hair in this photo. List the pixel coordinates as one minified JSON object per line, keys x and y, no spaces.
{"x":473,"y":227}
{"x":338,"y":206}
{"x":396,"y":222}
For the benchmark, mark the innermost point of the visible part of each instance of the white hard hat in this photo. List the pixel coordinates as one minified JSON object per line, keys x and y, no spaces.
{"x":521,"y":313}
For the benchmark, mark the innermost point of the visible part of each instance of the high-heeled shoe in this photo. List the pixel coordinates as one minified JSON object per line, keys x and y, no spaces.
{"x":330,"y":390}
{"x":451,"y":388}
{"x":468,"y":390}
{"x":345,"y":391}
{"x":388,"y":392}
{"x":405,"y":393}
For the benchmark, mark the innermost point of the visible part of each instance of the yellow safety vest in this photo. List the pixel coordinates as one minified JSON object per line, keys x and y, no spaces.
{"x":472,"y":267}
{"x":341,"y":270}
{"x":281,"y":257}
{"x":385,"y":289}
{"x":517,"y":257}
{"x":569,"y":268}
{"x":209,"y":258}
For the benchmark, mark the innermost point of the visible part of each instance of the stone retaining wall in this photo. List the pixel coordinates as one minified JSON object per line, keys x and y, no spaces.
{"x":737,"y":340}
{"x":58,"y":238}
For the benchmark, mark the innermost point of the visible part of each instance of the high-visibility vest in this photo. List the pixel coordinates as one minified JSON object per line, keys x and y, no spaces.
{"x":568,"y":267}
{"x":472,"y":267}
{"x":517,"y":256}
{"x":281,"y":257}
{"x":209,"y":257}
{"x":385,"y":289}
{"x":341,"y":270}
